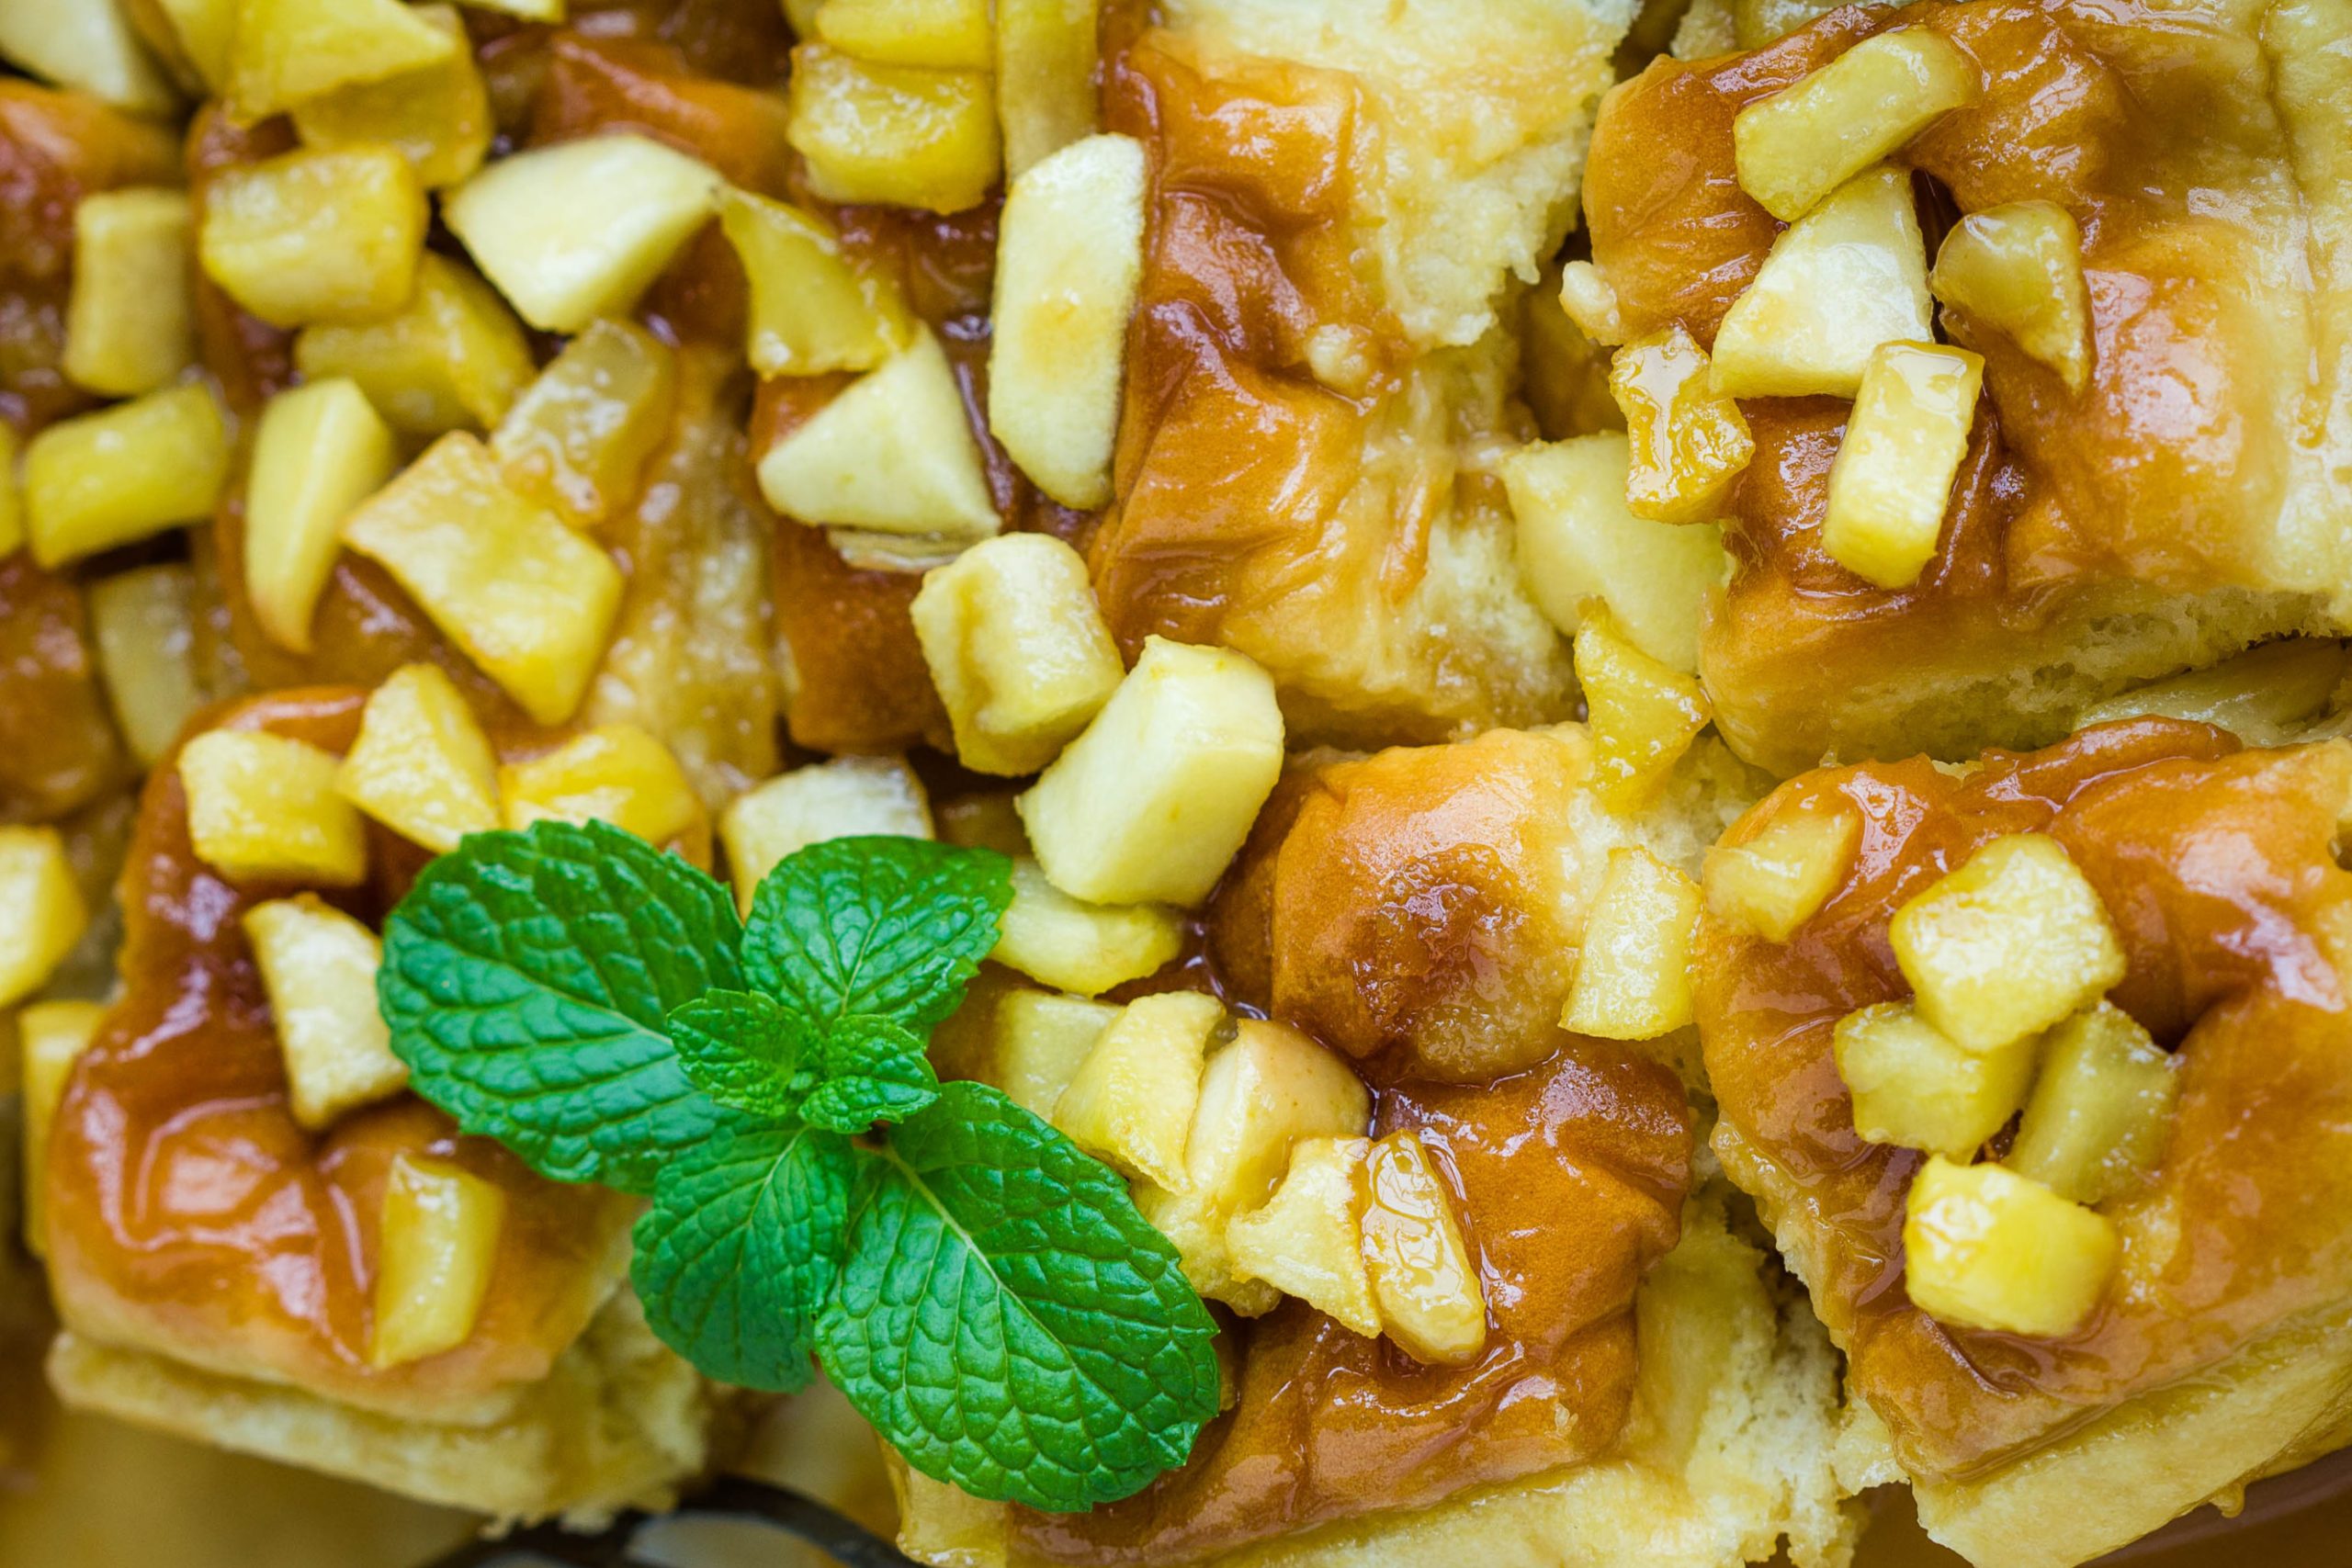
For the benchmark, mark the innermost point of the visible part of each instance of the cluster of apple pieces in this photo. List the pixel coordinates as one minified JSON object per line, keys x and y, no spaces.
{"x":1841,"y":308}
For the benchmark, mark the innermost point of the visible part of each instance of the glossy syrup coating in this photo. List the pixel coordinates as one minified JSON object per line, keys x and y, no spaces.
{"x":2217,"y":866}
{"x":58,"y":750}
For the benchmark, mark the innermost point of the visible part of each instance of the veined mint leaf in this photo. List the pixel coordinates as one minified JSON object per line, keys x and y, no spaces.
{"x":741,"y":1049}
{"x":1007,"y":1319}
{"x":740,"y":1249}
{"x":888,"y":926}
{"x":527,"y":979}
{"x":873,"y":1071}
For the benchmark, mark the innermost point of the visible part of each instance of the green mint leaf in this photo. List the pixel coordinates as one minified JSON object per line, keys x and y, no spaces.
{"x":527,"y":979}
{"x":873,"y":1071}
{"x":740,"y":1250}
{"x":1008,"y":1320}
{"x":888,"y":925}
{"x":741,"y":1049}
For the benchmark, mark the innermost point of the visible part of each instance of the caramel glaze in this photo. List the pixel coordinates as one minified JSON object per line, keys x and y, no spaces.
{"x":58,"y":750}
{"x":191,"y":1215}
{"x":2169,"y":471}
{"x":2217,"y":866}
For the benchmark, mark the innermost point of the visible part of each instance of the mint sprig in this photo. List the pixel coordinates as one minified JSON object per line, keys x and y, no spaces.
{"x":985,"y":1292}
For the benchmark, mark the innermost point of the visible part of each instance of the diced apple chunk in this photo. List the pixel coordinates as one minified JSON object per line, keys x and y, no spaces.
{"x":1688,"y":441}
{"x":812,"y":310}
{"x":951,"y":34}
{"x":2007,"y":944}
{"x":130,"y":321}
{"x":143,"y":621}
{"x":901,"y":135}
{"x":435,"y":1250}
{"x":1424,"y":1277}
{"x":263,"y":808}
{"x":1984,"y":1248}
{"x":1644,"y":714}
{"x":893,"y":452}
{"x":89,"y":45}
{"x":1307,"y":1239}
{"x":453,"y":358}
{"x":527,"y":599}
{"x":1579,"y":540}
{"x":577,"y":231}
{"x":124,"y":473}
{"x":421,"y":764}
{"x":320,"y":451}
{"x":1848,"y":275}
{"x":1152,"y":802}
{"x":579,"y":436}
{"x":2018,"y":268}
{"x":1061,"y":942}
{"x":1069,"y":258}
{"x":1913,"y":1087}
{"x":318,"y":966}
{"x":53,"y":1037}
{"x":1131,"y":1103}
{"x":329,"y":235}
{"x":1046,"y":54}
{"x":288,"y":52}
{"x":1591,"y":303}
{"x":203,"y":33}
{"x":438,"y":115}
{"x":1018,"y":648}
{"x":1040,"y":1039}
{"x":1774,"y":882}
{"x":840,"y":799}
{"x":2100,"y":1110}
{"x":1892,"y":480}
{"x":1799,"y":144}
{"x":616,"y":773}
{"x":41,"y":912}
{"x":1633,"y":978}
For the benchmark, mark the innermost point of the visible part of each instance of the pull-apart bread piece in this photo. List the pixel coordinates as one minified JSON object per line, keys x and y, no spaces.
{"x":2037,"y":1067}
{"x":257,"y":1236}
{"x":2038,"y":318}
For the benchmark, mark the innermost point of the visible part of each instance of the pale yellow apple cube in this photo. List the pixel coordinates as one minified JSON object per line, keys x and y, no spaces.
{"x":1913,"y":1087}
{"x":1890,"y":481}
{"x":318,"y":966}
{"x":42,"y":915}
{"x":900,"y":135}
{"x":1797,"y":145}
{"x":813,"y":310}
{"x":1424,"y":1277}
{"x":130,"y":321}
{"x":263,"y":808}
{"x":1590,"y":300}
{"x":53,"y":1037}
{"x":1579,"y":540}
{"x":1644,"y":714}
{"x":1071,"y":945}
{"x":1149,"y":805}
{"x":529,"y":600}
{"x":616,"y":773}
{"x":951,"y":34}
{"x":1984,"y":1248}
{"x":422,"y":764}
{"x":1039,"y":1040}
{"x":1018,"y":648}
{"x":320,"y":451}
{"x":1633,"y":976}
{"x":90,"y":45}
{"x":437,"y":1247}
{"x":893,"y":452}
{"x":1069,"y":261}
{"x":204,"y":33}
{"x":438,"y":115}
{"x":578,"y":437}
{"x":1130,"y":1103}
{"x":2100,"y":1110}
{"x":1307,"y":1239}
{"x":2018,"y":268}
{"x":454,"y":357}
{"x":287,"y":53}
{"x":1774,"y":882}
{"x":1688,"y":442}
{"x":847,"y":797}
{"x":1046,"y":54}
{"x":143,"y":621}
{"x":2007,"y":944}
{"x":315,"y":236}
{"x":579,"y":230}
{"x":124,"y":473}
{"x":1848,"y":275}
